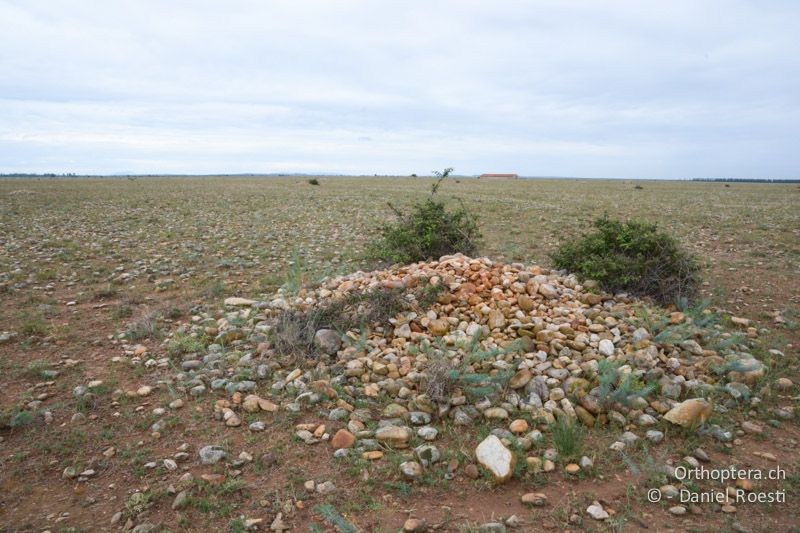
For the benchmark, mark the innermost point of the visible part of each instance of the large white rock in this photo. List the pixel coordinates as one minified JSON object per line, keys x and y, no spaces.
{"x":496,"y":458}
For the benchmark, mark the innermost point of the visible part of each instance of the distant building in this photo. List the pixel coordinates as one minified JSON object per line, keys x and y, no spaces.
{"x":511,"y":176}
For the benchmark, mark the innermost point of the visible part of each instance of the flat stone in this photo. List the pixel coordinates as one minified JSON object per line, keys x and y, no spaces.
{"x":496,"y":413}
{"x":236,"y":301}
{"x":520,"y":379}
{"x":752,"y":428}
{"x":415,"y":525}
{"x":395,"y":436}
{"x":427,"y":433}
{"x":536,"y":499}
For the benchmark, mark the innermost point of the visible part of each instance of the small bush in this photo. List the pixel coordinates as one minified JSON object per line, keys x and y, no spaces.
{"x":428,"y":231}
{"x":634,"y":257}
{"x":313,"y":181}
{"x":146,"y":327}
{"x":21,"y":418}
{"x":36,"y":368}
{"x":294,"y":331}
{"x":181,"y":344}
{"x":567,"y":437}
{"x":33,"y":324}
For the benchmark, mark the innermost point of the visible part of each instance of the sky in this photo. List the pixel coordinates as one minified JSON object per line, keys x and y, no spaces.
{"x":606,"y":89}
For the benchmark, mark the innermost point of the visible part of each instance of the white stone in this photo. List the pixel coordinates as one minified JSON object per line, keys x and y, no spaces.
{"x":495,"y":457}
{"x":597,"y":512}
{"x":606,"y":348}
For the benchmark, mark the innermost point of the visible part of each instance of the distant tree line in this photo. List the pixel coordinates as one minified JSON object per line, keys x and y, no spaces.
{"x":748,"y":180}
{"x":34,"y":175}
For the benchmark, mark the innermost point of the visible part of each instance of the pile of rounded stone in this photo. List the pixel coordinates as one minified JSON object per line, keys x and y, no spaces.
{"x":547,"y":330}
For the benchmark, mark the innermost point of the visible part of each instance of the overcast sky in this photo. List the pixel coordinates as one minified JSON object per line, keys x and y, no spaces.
{"x":675,"y":89}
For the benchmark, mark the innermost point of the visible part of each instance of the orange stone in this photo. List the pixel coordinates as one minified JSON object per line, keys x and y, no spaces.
{"x":519,"y":425}
{"x":373,"y":455}
{"x":343,"y":439}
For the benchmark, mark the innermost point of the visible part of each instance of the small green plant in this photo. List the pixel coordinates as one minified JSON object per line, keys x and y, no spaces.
{"x":443,"y":376}
{"x":332,"y":516}
{"x":146,"y":327}
{"x":181,"y":344}
{"x":313,"y":181}
{"x":123,"y":310}
{"x":700,"y":322}
{"x":22,"y":418}
{"x":567,"y":437}
{"x":37,"y":368}
{"x":33,"y":324}
{"x":300,"y":273}
{"x":616,"y":388}
{"x":428,"y":231}
{"x":213,"y":290}
{"x":108,"y":291}
{"x":237,"y":525}
{"x":632,"y":256}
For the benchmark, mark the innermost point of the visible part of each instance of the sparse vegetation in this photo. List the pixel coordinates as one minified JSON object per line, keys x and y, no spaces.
{"x":182,"y":344}
{"x":632,"y":256}
{"x":443,"y":376}
{"x":428,"y":231}
{"x":567,"y":437}
{"x":294,"y":331}
{"x":332,"y":516}
{"x":170,"y":250}
{"x":616,"y":387}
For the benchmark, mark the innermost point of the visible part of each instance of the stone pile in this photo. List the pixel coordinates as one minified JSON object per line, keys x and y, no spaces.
{"x":536,"y":336}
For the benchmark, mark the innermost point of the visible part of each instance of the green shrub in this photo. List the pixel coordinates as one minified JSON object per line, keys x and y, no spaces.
{"x":313,"y":181}
{"x":428,"y":231}
{"x":182,"y":344}
{"x":633,"y":257}
{"x":21,"y":418}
